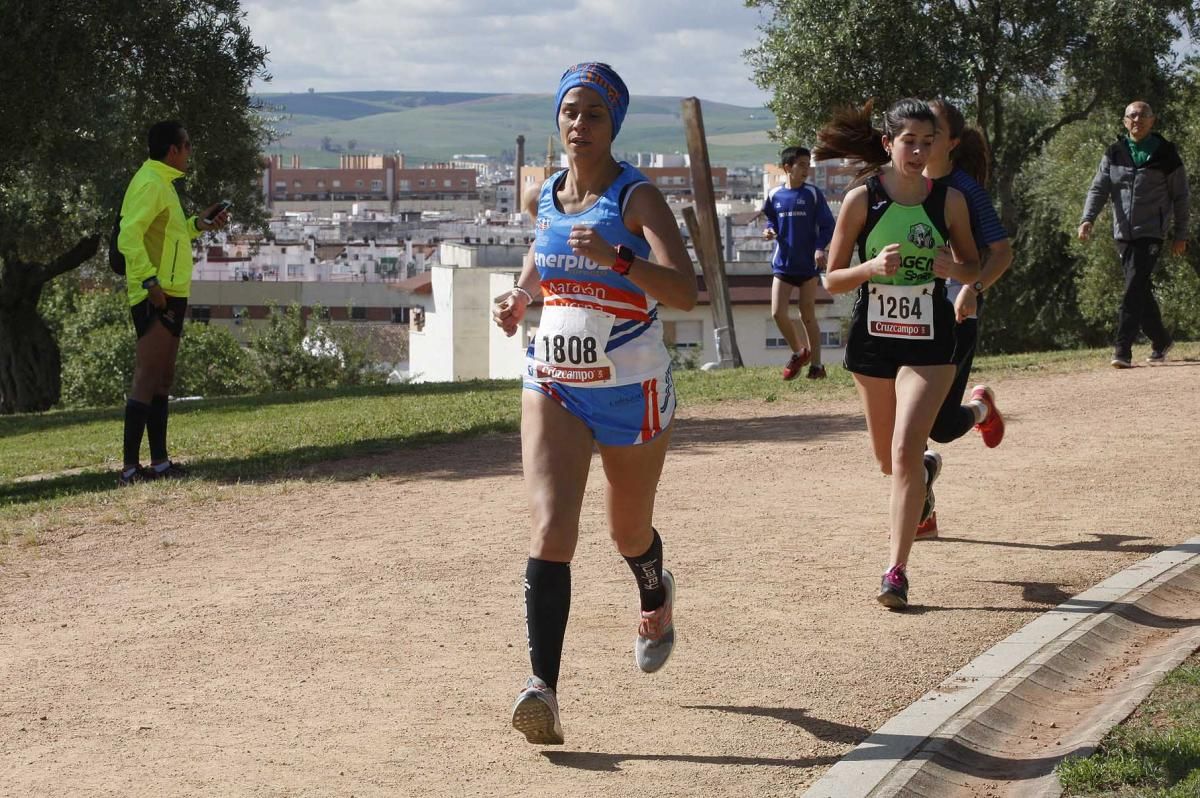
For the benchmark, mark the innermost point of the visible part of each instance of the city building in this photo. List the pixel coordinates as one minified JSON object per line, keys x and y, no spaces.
{"x":374,"y":182}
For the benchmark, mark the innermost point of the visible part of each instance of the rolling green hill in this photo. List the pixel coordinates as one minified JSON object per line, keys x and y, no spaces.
{"x":433,"y":126}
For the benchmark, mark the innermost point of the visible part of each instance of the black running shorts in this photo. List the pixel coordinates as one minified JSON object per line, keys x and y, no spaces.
{"x":171,"y":317}
{"x":873,"y":356}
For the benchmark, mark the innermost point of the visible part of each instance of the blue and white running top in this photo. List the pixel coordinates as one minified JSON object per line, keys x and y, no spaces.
{"x":598,"y":329}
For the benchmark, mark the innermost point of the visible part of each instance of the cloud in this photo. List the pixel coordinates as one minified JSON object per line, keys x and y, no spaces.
{"x":663,"y":47}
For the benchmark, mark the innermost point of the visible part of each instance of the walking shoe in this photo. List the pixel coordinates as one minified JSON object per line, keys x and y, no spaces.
{"x":933,"y":467}
{"x":1122,"y":361}
{"x":893,"y":592}
{"x":656,"y":632}
{"x":1160,"y":355}
{"x":536,"y":714}
{"x":927,"y":529}
{"x":129,"y":477}
{"x":991,"y":429}
{"x":171,"y":470}
{"x":796,"y":362}
{"x":816,"y":372}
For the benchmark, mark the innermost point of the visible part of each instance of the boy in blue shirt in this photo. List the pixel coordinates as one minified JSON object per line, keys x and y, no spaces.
{"x":801,"y":225}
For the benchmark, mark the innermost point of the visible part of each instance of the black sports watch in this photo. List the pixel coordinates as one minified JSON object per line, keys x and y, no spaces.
{"x":977,"y":287}
{"x":624,"y":262}
{"x":149,"y":283}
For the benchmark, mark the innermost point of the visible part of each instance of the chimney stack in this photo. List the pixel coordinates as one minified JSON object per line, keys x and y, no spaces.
{"x":517,"y":174}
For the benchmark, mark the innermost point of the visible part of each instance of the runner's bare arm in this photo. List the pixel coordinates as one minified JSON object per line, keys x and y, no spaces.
{"x":670,"y":277}
{"x":840,"y":276}
{"x":964,"y":266}
{"x":509,"y":311}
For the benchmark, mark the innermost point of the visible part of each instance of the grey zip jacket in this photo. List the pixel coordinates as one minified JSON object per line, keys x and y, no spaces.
{"x":1144,"y":197}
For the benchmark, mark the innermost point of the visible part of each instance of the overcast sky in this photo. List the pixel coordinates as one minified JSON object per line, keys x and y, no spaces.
{"x":668,"y":47}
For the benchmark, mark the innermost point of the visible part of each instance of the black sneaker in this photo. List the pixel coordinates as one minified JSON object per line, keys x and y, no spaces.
{"x":933,"y":467}
{"x":816,"y":373}
{"x":134,"y":476}
{"x":172,"y":471}
{"x":1160,"y":355}
{"x":1120,"y":361}
{"x":893,"y":592}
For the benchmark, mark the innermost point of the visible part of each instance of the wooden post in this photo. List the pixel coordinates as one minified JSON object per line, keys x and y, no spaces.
{"x":702,"y":226}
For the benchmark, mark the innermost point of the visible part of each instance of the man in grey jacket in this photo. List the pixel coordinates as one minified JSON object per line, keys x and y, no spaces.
{"x":1145,"y":178}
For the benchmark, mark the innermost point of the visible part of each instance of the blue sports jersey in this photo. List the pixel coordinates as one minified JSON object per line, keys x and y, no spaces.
{"x":802,"y":223}
{"x":986,"y":228}
{"x":635,"y":342}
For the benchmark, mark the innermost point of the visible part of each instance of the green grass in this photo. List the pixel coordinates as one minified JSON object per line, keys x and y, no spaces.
{"x":1154,"y":754}
{"x":74,"y":454}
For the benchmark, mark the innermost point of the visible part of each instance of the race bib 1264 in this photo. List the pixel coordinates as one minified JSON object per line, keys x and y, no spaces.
{"x":900,"y":311}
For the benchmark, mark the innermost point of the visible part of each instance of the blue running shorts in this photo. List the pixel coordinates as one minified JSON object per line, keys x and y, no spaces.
{"x":623,"y":415}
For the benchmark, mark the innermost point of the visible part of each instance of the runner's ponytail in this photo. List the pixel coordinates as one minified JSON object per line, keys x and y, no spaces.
{"x":972,"y":155}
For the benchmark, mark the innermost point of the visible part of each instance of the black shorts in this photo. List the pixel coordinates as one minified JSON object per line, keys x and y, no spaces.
{"x":873,"y":356}
{"x":795,"y":279}
{"x":171,"y":317}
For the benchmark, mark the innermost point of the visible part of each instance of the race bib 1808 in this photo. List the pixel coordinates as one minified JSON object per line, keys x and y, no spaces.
{"x":569,"y":347}
{"x":900,"y":311}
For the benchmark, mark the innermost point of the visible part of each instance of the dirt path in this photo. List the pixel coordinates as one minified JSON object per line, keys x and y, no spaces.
{"x":365,"y":637}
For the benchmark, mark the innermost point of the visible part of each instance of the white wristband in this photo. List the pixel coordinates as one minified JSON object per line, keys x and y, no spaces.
{"x":528,"y":296}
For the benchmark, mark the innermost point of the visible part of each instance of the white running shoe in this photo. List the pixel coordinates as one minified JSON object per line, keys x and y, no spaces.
{"x":656,"y":632}
{"x":536,"y":714}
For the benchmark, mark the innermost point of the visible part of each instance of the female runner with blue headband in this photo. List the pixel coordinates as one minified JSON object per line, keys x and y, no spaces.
{"x":607,"y":251}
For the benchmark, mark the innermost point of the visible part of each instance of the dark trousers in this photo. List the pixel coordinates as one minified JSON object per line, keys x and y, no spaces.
{"x":1139,"y":309}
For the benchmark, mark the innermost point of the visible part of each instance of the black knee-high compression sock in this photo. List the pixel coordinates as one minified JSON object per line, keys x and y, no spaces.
{"x":156,"y":429}
{"x":135,"y":425}
{"x":647,"y":569}
{"x":547,"y":605}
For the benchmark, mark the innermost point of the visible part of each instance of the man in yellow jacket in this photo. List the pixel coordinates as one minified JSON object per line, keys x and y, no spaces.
{"x":156,"y":240}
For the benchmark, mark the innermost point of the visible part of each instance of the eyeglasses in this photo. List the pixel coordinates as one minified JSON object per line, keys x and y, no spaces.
{"x":1140,"y":115}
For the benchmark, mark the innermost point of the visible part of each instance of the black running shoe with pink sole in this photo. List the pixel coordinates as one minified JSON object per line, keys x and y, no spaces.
{"x":893,"y":591}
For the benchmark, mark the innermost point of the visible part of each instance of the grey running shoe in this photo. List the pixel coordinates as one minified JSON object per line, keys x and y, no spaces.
{"x":933,"y":467}
{"x":133,"y":476}
{"x":656,"y":632}
{"x":172,"y":470}
{"x":536,"y":714}
{"x":1160,"y":355}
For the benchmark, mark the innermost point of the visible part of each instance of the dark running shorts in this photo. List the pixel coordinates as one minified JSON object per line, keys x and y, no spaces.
{"x":171,"y":317}
{"x":795,"y":279}
{"x":873,"y":356}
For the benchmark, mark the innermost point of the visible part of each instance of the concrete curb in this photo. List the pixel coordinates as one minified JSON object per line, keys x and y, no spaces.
{"x":885,"y":762}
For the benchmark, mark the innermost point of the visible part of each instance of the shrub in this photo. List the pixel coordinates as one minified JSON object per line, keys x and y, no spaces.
{"x":212,"y":363}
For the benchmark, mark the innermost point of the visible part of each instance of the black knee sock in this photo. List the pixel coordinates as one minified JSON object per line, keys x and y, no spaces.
{"x":547,"y":605}
{"x":135,"y":424}
{"x":647,"y":569}
{"x":156,"y":429}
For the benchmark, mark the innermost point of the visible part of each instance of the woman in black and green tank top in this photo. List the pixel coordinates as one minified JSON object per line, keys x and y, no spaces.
{"x":901,"y":343}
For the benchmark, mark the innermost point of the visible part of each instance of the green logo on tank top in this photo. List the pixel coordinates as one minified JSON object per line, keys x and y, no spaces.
{"x":921,"y":235}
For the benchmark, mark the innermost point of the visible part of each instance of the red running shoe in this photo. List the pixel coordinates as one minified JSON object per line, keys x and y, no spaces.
{"x":992,"y":427}
{"x":927,"y":529}
{"x":796,"y":362}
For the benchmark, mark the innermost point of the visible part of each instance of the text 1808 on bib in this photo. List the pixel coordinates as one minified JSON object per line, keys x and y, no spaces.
{"x":900,"y":311}
{"x":569,"y":347}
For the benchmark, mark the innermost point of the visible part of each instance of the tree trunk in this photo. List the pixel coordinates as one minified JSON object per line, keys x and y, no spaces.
{"x":30,"y":361}
{"x":30,"y":364}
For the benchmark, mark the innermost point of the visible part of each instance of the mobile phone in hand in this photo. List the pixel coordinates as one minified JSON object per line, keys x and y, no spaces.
{"x":222,"y":206}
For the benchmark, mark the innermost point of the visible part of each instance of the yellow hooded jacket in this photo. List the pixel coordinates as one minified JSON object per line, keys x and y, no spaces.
{"x":156,"y":238}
